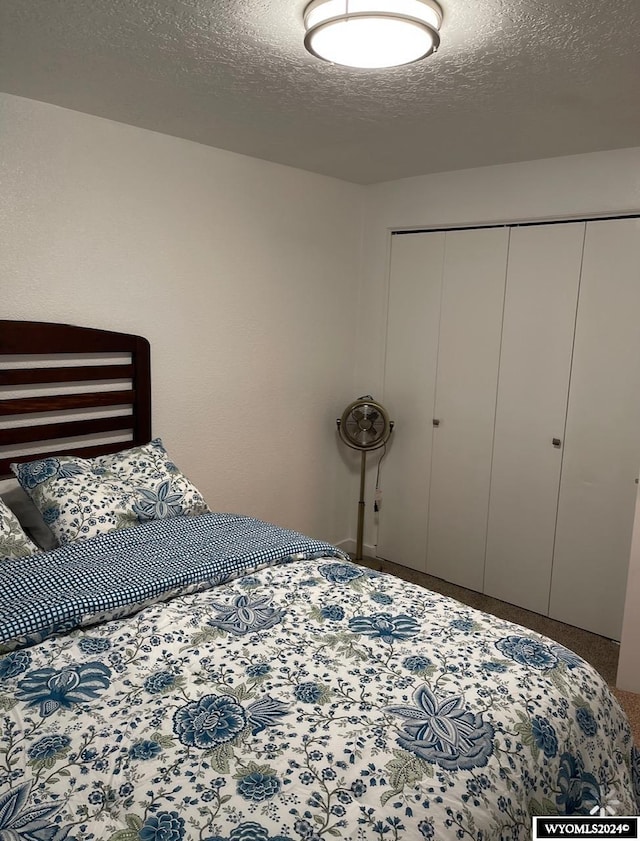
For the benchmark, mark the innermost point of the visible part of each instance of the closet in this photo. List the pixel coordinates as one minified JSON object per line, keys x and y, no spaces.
{"x":543,"y":275}
{"x":513,"y":374}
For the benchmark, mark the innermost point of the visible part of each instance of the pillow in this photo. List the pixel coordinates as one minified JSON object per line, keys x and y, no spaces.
{"x":14,"y":543}
{"x":30,"y":518}
{"x":82,"y":498}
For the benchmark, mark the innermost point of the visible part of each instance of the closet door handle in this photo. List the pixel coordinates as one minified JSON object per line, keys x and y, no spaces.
{"x":436,"y":421}
{"x":556,"y":442}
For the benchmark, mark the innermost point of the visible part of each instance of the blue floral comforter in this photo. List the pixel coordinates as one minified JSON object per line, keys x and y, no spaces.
{"x":286,"y":698}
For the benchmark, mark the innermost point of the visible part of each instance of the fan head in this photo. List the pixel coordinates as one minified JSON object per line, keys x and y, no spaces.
{"x":364,"y":424}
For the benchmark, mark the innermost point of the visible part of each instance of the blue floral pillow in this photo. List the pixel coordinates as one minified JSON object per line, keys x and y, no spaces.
{"x":14,"y":543}
{"x":81,"y":498}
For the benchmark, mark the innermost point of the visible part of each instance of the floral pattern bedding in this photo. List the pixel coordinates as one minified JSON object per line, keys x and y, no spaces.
{"x":302,"y":699}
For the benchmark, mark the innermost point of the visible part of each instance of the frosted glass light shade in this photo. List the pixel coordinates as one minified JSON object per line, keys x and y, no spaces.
{"x":372,"y":33}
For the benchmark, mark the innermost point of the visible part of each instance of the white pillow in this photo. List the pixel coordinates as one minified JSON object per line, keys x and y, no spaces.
{"x":14,"y":543}
{"x":81,"y":498}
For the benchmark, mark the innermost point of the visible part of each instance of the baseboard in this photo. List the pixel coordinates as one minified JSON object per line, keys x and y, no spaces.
{"x":349,"y":546}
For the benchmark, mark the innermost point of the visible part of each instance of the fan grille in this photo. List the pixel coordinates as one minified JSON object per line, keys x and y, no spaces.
{"x":365,"y":425}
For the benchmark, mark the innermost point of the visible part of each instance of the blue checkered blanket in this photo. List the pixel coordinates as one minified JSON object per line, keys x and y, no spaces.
{"x":116,"y":574}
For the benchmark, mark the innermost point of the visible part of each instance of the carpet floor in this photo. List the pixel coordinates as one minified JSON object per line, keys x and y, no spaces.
{"x":600,"y":652}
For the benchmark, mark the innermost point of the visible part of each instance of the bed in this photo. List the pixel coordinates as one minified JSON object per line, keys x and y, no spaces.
{"x":188,"y":674}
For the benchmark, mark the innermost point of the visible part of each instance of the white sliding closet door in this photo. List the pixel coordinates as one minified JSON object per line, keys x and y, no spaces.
{"x":467,"y":378}
{"x":539,"y":320}
{"x":410,"y":375}
{"x":602,"y":454}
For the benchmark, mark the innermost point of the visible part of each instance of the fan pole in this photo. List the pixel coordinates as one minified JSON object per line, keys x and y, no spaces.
{"x":363,"y":464}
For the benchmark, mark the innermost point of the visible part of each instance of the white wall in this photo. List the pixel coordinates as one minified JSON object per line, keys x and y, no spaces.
{"x":248,"y":278}
{"x":242,"y":274}
{"x":577,"y":186}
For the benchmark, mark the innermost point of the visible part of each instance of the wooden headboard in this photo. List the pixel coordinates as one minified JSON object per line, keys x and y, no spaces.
{"x":39,"y":356}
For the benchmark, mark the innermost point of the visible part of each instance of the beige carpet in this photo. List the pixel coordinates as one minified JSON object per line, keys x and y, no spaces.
{"x":600,"y":652}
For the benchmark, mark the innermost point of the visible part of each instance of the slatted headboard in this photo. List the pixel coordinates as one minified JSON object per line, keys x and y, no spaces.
{"x":57,"y":358}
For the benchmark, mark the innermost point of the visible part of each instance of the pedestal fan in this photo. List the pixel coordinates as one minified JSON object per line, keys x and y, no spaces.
{"x":364,"y":426}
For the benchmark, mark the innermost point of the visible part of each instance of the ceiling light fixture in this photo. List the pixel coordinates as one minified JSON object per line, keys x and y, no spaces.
{"x":372,"y":33}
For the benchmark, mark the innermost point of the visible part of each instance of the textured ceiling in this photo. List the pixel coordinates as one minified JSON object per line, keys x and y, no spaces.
{"x":513,"y":80}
